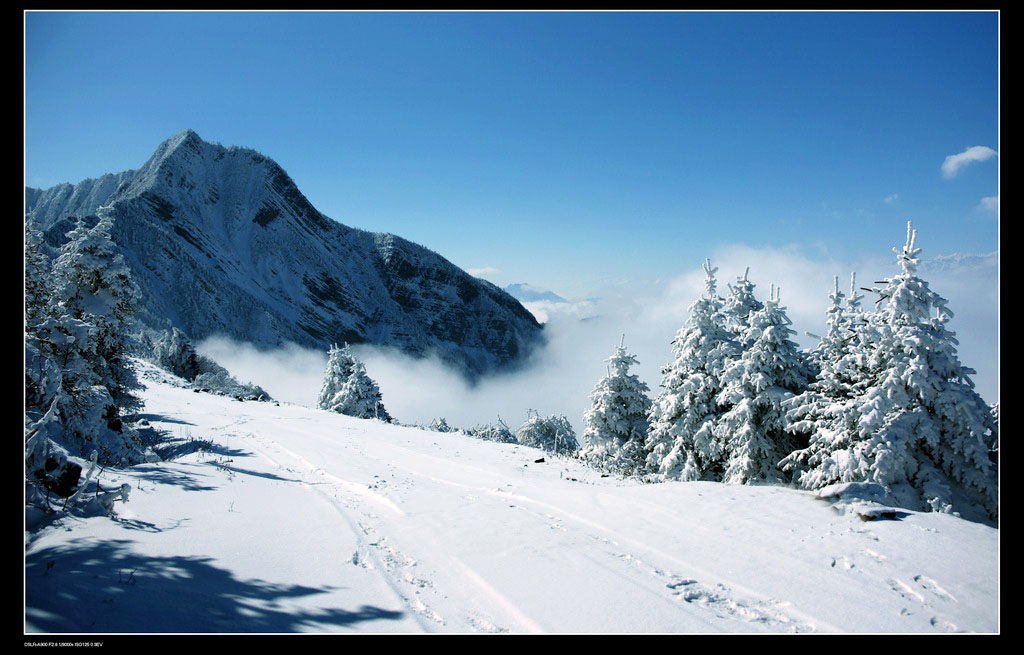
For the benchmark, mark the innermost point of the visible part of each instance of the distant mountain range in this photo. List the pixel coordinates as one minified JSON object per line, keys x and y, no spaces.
{"x":221,"y":241}
{"x":958,"y":261}
{"x":526,"y":293}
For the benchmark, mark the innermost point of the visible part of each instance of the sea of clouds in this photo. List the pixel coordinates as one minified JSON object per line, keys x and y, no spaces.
{"x":558,"y":378}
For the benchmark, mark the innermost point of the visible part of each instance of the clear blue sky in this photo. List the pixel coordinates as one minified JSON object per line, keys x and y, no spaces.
{"x":557,"y":148}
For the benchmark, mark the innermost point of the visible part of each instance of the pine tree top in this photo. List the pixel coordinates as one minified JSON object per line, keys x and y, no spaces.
{"x":907,"y":257}
{"x":709,"y":279}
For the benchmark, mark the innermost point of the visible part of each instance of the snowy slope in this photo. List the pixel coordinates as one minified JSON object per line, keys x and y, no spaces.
{"x":302,"y":520}
{"x":222,"y":242}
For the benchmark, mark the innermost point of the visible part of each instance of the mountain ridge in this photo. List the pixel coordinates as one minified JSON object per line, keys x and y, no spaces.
{"x":222,"y":241}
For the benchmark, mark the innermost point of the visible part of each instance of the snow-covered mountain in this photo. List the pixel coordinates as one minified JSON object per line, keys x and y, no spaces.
{"x":959,"y":261}
{"x":221,"y":241}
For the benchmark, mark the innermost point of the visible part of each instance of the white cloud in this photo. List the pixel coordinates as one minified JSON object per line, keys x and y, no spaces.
{"x":891,"y":198}
{"x":542,"y":310}
{"x":953,"y":163}
{"x":291,"y":373}
{"x":989,"y":204}
{"x":477,"y":272}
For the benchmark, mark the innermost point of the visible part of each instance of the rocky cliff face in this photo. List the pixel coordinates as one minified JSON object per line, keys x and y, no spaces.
{"x":221,"y":241}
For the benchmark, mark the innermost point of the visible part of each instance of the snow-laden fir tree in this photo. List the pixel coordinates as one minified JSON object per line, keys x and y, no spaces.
{"x":739,"y":305}
{"x":681,"y":442}
{"x":38,"y":287}
{"x":841,"y":372}
{"x":77,"y":348}
{"x":994,"y":450}
{"x":94,"y":284}
{"x":551,"y":433}
{"x":915,"y":425}
{"x":752,"y":433}
{"x":348,"y":389}
{"x":42,"y":373}
{"x":837,"y":375}
{"x":834,"y":333}
{"x":340,"y":362}
{"x":616,"y":423}
{"x":173,"y":352}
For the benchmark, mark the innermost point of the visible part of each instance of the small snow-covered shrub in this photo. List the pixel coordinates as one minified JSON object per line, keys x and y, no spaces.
{"x":498,"y":432}
{"x":223,"y":383}
{"x":551,"y":433}
{"x":440,"y":425}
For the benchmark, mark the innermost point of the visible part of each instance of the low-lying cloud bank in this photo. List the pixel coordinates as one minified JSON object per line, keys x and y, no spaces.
{"x":559,"y":378}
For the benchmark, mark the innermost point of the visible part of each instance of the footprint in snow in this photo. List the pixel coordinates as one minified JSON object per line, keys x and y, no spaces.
{"x":905,"y":590}
{"x":934,"y":587}
{"x":944,"y":625}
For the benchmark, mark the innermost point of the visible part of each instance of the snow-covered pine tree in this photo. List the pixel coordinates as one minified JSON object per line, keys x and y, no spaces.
{"x":916,"y":425}
{"x":38,"y":286}
{"x":340,"y":362}
{"x":772,"y":369}
{"x":840,"y":374}
{"x":738,"y":307}
{"x":994,"y":450}
{"x":348,"y":389}
{"x":616,"y":423}
{"x":175,"y":353}
{"x":551,"y":433}
{"x":681,"y":443}
{"x":94,"y":284}
{"x":360,"y":396}
{"x":834,"y":332}
{"x":42,"y":374}
{"x":78,"y":378}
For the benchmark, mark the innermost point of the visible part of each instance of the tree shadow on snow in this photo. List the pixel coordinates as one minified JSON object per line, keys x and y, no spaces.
{"x":160,"y":418}
{"x":170,"y":449}
{"x":188,"y":482}
{"x":102,"y":586}
{"x":258,"y":474}
{"x":220,"y":449}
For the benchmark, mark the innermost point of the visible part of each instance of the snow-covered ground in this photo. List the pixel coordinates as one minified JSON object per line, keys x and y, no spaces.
{"x":302,"y":520}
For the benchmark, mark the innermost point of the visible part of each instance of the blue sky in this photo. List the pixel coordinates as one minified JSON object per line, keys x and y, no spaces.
{"x":559,"y":149}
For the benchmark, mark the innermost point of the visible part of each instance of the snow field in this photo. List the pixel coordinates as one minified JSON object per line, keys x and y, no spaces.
{"x":306,"y":520}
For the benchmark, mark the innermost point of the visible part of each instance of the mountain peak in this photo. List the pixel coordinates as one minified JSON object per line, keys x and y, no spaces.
{"x":187,"y":133}
{"x":187,"y":139}
{"x":221,"y":241}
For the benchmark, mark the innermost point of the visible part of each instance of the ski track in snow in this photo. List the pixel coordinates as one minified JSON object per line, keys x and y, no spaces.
{"x":373,"y":553}
{"x":747,"y":606}
{"x":376,"y":553}
{"x":718,"y":599}
{"x":721,"y":600}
